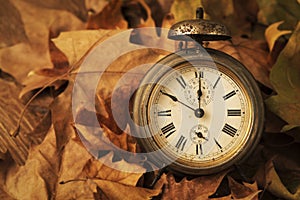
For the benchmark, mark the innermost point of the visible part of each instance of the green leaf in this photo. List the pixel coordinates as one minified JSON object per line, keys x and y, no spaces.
{"x":285,"y":78}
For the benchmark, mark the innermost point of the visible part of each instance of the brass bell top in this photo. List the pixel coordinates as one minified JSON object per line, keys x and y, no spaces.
{"x":198,"y":30}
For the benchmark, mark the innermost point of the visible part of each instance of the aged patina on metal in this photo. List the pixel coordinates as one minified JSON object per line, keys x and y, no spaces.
{"x":199,"y":30}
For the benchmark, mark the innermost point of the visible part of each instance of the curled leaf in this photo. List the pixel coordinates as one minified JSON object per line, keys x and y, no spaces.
{"x":273,"y":33}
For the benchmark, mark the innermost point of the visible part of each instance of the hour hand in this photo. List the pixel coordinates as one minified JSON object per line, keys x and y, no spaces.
{"x":169,"y":95}
{"x":176,"y":100}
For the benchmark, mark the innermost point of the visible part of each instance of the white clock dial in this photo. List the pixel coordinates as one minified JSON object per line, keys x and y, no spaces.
{"x":179,"y":126}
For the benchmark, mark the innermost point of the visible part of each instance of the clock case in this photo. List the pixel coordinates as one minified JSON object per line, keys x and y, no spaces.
{"x":207,"y":31}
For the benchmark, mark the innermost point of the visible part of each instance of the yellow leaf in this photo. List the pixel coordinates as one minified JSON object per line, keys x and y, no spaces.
{"x":272,"y":33}
{"x":75,"y":44}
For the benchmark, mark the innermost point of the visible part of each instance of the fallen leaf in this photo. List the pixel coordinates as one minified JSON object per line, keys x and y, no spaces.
{"x":75,"y":44}
{"x":96,"y":169}
{"x":273,"y":33}
{"x":10,"y":111}
{"x":201,"y":187}
{"x":275,"y":185}
{"x":238,"y":16}
{"x":33,"y":53}
{"x":110,"y":17}
{"x":285,"y":76}
{"x":185,"y":10}
{"x":278,"y":10}
{"x":243,"y":191}
{"x":124,"y":191}
{"x":37,"y":174}
{"x":252,"y":53}
{"x":10,"y":34}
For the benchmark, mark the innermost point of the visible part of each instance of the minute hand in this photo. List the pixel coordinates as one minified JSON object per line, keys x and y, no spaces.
{"x":176,"y":100}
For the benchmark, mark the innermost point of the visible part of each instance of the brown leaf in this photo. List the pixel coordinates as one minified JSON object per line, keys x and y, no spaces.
{"x":10,"y":34}
{"x":75,"y":44}
{"x":109,"y":18}
{"x":34,"y":52}
{"x":38,"y":174}
{"x":243,"y":191}
{"x":96,"y":169}
{"x":125,"y":192}
{"x":200,"y":188}
{"x":252,"y":53}
{"x":62,"y":117}
{"x":238,"y":16}
{"x":10,"y":109}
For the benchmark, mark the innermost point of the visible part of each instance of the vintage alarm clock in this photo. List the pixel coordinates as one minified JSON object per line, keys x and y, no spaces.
{"x":200,"y":109}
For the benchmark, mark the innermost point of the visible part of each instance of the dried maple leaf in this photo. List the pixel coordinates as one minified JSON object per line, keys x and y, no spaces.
{"x":238,"y":16}
{"x":243,"y":191}
{"x":97,"y":169}
{"x":252,"y":53}
{"x":274,"y":11}
{"x":37,"y":174}
{"x":200,"y":188}
{"x":23,"y":125}
{"x":270,"y":179}
{"x":34,"y":52}
{"x":48,"y":77}
{"x":273,"y":33}
{"x":109,"y":18}
{"x":125,"y":192}
{"x":285,"y":76}
{"x":9,"y":33}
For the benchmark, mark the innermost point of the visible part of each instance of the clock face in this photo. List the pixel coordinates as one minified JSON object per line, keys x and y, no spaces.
{"x":199,"y":114}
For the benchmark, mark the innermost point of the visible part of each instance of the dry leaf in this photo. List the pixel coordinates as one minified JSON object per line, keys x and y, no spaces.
{"x":238,"y":16}
{"x":10,"y":109}
{"x":75,"y":44}
{"x":34,"y":53}
{"x":200,"y":188}
{"x":252,"y":53}
{"x":285,"y":78}
{"x":243,"y":191}
{"x":10,"y":34}
{"x":275,"y":185}
{"x":273,"y":11}
{"x":273,"y":33}
{"x":96,"y":169}
{"x":37,"y":174}
{"x":125,"y":192}
{"x":109,"y":18}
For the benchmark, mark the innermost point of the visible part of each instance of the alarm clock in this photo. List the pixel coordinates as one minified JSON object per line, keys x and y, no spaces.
{"x":201,"y":110}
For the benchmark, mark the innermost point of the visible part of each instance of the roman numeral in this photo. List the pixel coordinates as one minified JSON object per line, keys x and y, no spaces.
{"x":229,"y":130}
{"x":216,"y":83}
{"x":181,"y":81}
{"x":164,"y":113}
{"x":181,"y":143}
{"x":199,"y":74}
{"x":230,"y":94}
{"x":199,"y":149}
{"x":234,"y":112}
{"x":168,"y":129}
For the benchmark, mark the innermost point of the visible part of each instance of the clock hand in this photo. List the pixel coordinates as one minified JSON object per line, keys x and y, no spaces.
{"x":199,"y":92}
{"x":176,"y":100}
{"x":200,"y":135}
